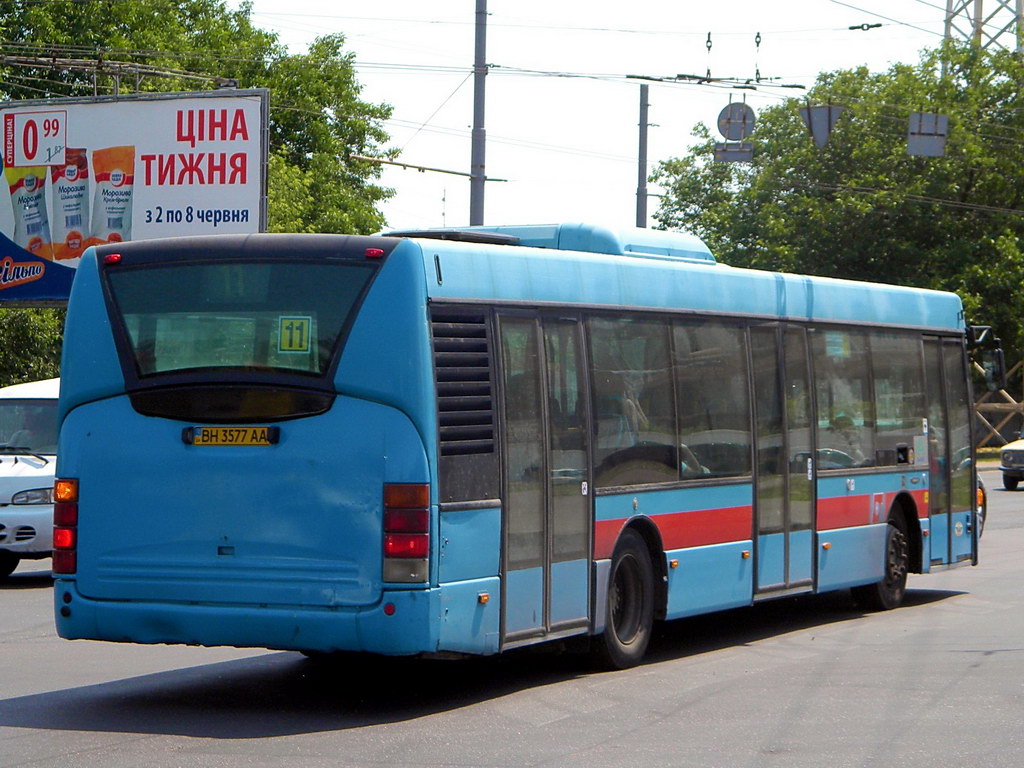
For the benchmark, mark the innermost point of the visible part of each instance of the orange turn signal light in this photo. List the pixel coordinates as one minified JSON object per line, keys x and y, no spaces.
{"x":65,"y":489}
{"x":407,"y":495}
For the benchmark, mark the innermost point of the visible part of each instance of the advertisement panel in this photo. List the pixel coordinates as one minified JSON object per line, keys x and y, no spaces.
{"x":83,"y":172}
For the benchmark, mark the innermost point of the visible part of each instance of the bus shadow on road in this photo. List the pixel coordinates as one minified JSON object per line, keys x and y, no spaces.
{"x":772,"y":618}
{"x":282,"y":694}
{"x":27,"y":580}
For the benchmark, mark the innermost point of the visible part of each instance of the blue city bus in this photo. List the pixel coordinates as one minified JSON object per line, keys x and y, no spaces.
{"x":465,"y":441}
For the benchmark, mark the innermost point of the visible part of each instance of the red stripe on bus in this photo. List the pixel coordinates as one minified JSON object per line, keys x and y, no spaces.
{"x":680,"y":530}
{"x":844,"y":512}
{"x":703,"y":527}
{"x":850,"y":511}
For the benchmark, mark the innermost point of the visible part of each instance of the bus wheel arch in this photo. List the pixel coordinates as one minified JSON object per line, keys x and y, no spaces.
{"x":635,"y":589}
{"x":887,"y":593}
{"x":904,"y":506}
{"x":652,"y":539}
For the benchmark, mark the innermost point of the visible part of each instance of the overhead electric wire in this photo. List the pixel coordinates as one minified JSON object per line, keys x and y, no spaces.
{"x":945,"y":203}
{"x":516,"y":142}
{"x":887,"y":18}
{"x":493,"y":22}
{"x":27,"y":87}
{"x":931,"y":5}
{"x":61,"y":83}
{"x":900,"y":113}
{"x":434,"y":113}
{"x":462,"y":133}
{"x":720,"y":83}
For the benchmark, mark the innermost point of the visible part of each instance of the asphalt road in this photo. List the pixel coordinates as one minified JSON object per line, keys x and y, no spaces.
{"x":802,"y":682}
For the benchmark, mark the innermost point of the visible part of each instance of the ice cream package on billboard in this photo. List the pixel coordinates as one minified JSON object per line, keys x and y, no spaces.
{"x":70,"y":204}
{"x":114,"y":172}
{"x":28,"y":198}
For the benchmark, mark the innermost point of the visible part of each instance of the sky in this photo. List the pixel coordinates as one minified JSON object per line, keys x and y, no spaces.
{"x":561,"y":116}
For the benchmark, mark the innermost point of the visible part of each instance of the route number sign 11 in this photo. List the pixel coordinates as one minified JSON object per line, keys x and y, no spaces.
{"x":35,"y":138}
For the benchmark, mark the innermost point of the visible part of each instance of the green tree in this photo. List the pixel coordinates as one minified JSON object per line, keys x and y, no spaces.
{"x":861,"y":207}
{"x":30,"y":341}
{"x":319,"y":125}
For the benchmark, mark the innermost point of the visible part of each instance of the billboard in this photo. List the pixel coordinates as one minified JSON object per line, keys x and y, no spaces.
{"x":87,"y":171}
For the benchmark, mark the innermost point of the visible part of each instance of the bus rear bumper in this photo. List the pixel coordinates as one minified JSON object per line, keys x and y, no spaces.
{"x":404,"y":622}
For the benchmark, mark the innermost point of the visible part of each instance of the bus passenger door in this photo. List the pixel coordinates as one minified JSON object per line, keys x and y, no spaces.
{"x":784,"y":486}
{"x":951,"y":476}
{"x":546,"y":488}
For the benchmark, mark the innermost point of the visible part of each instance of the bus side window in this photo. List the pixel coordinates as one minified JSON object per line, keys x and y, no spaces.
{"x":843,"y":388}
{"x":896,"y":361}
{"x":711,"y":380}
{"x":635,"y":413}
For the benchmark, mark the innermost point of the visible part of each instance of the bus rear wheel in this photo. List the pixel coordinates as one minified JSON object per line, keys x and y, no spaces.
{"x":888,"y":593}
{"x":630,"y":605}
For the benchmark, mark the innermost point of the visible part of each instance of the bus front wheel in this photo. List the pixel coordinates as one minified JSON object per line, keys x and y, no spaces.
{"x":630,"y":605}
{"x":889,"y":591}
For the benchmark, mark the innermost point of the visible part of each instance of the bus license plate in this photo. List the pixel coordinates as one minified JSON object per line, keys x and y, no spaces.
{"x":231,"y":435}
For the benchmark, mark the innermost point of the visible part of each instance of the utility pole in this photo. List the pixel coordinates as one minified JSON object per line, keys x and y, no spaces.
{"x":641,"y":170}
{"x":987,"y":23}
{"x":479,"y":136}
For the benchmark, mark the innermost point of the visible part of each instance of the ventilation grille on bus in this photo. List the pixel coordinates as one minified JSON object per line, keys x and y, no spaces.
{"x":462,"y":364}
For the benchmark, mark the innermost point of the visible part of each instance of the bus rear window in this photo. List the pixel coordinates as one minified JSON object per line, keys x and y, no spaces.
{"x":252,"y":315}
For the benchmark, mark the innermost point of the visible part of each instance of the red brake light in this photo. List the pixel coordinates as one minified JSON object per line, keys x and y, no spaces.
{"x":64,"y":538}
{"x":112,"y":258}
{"x":374,"y":253}
{"x":406,"y":545}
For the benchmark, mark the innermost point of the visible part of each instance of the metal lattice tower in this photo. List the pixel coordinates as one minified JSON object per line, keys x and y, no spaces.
{"x":988,"y":23}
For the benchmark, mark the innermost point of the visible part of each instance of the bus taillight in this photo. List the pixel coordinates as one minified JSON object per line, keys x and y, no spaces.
{"x":406,"y":544}
{"x":65,"y":526}
{"x":406,"y":532}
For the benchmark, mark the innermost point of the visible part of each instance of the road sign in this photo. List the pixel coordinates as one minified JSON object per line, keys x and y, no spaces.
{"x":736,"y":121}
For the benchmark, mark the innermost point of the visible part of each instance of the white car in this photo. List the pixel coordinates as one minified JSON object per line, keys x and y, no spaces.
{"x":1011,"y":464}
{"x":28,"y":453}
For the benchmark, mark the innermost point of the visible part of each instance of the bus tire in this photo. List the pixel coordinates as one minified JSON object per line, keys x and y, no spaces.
{"x":8,"y":562}
{"x":630,"y":605}
{"x":888,"y":592}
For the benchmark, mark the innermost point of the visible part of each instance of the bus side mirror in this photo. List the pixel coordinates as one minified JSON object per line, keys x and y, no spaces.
{"x":994,"y":367}
{"x":987,"y":351}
